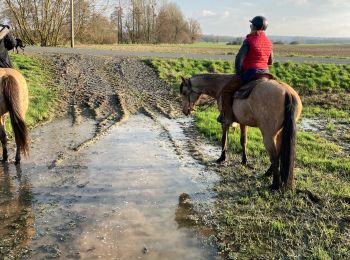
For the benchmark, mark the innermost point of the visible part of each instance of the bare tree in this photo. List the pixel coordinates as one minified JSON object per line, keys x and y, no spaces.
{"x":137,"y":21}
{"x":117,"y":17}
{"x":38,"y":20}
{"x":171,"y":25}
{"x":195,"y":30}
{"x":82,"y":15}
{"x":100,"y":31}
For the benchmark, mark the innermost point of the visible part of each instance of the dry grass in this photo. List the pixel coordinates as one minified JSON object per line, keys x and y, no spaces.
{"x":314,"y":50}
{"x":306,"y":50}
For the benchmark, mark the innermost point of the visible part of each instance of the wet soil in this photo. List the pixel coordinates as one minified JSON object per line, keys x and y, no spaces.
{"x":92,"y":190}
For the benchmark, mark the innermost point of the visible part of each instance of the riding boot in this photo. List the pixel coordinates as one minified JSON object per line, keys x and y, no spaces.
{"x":227,"y":99}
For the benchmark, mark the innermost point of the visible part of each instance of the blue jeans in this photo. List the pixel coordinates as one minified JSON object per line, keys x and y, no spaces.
{"x":248,"y":74}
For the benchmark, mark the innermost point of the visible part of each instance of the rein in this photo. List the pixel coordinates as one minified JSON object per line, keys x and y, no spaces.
{"x":191,"y":91}
{"x":196,"y":92}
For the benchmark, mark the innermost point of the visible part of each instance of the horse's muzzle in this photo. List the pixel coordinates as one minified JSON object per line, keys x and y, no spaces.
{"x":187,"y":112}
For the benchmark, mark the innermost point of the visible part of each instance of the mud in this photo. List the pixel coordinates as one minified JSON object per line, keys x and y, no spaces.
{"x":331,"y":129}
{"x":92,"y":190}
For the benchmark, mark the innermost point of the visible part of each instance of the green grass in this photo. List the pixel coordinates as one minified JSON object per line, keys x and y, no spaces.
{"x":313,"y":77}
{"x":316,"y":83}
{"x":250,"y":222}
{"x":314,"y":152}
{"x":173,"y":69}
{"x":306,"y":78}
{"x":330,"y":113}
{"x":42,"y":93}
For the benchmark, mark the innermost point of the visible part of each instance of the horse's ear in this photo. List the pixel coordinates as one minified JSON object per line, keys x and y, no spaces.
{"x":183,"y":80}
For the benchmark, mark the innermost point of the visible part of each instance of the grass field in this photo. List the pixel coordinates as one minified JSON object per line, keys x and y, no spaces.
{"x":250,"y":222}
{"x":42,"y":93}
{"x":285,"y":50}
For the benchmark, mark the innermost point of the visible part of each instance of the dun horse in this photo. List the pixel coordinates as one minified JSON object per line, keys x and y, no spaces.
{"x":272,"y":106}
{"x":14,"y":99}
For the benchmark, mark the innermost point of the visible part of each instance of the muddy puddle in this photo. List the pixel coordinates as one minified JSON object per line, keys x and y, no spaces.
{"x":117,"y":198}
{"x":330,"y":129}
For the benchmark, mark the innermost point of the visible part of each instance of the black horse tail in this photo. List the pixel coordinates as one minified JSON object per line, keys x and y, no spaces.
{"x":13,"y":104}
{"x":287,"y":156}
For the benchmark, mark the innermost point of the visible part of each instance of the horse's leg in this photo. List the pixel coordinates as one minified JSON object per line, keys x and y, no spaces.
{"x":278,"y":143}
{"x":3,"y":138}
{"x":225,"y":128}
{"x":270,"y":145}
{"x":244,"y":143}
{"x":18,"y":155}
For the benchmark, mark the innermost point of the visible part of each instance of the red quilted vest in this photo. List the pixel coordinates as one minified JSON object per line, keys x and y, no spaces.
{"x":260,"y":48}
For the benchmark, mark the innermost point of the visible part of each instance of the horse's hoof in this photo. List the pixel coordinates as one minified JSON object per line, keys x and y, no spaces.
{"x":274,"y":187}
{"x":17,"y":162}
{"x":244,"y":162}
{"x":221,"y":159}
{"x":268,"y":173}
{"x":5,"y":156}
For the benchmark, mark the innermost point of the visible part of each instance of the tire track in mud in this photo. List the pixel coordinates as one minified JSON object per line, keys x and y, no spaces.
{"x":107,"y":90}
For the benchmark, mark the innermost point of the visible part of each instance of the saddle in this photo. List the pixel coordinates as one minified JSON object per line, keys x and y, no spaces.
{"x":244,"y":91}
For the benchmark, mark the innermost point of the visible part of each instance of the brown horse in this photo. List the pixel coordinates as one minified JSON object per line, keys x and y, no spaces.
{"x":14,"y":99}
{"x":220,"y":82}
{"x":272,"y":106}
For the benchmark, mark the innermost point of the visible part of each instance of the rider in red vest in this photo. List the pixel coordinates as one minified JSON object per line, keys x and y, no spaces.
{"x":253,"y":57}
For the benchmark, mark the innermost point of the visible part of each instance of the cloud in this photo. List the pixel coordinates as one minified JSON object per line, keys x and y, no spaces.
{"x":295,"y":2}
{"x":227,"y":14}
{"x":208,"y":13}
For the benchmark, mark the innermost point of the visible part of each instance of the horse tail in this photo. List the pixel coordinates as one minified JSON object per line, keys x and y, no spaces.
{"x":13,"y":104}
{"x":287,"y":155}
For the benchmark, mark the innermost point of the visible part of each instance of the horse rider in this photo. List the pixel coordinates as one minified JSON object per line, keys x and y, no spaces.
{"x":7,"y":43}
{"x":253,"y":58}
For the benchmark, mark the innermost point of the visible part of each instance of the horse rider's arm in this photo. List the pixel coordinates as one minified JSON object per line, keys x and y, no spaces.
{"x":10,"y":41}
{"x":270,"y":59}
{"x":242,"y":53}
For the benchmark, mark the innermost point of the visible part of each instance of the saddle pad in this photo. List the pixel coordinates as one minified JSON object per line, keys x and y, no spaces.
{"x":244,"y":91}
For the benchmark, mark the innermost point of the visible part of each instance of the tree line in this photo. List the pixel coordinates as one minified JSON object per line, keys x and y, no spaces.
{"x":47,"y":22}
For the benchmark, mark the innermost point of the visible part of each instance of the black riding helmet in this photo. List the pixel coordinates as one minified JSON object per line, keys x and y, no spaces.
{"x":259,"y":22}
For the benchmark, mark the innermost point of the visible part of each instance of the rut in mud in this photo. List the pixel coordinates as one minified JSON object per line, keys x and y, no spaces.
{"x":107,"y":90}
{"x":90,"y":190}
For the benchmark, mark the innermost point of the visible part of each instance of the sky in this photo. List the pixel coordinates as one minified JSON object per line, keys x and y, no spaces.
{"x":321,"y":18}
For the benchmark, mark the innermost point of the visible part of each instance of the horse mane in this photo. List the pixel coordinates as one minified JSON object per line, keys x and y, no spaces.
{"x":208,"y":76}
{"x":212,"y":82}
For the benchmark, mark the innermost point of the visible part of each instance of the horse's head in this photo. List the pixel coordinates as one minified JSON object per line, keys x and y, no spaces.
{"x":188,"y":95}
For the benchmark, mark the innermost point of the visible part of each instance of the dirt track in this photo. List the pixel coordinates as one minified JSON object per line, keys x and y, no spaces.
{"x":92,"y":190}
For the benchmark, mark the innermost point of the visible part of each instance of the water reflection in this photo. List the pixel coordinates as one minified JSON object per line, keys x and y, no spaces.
{"x":184,"y":215}
{"x":16,"y":212}
{"x":188,"y":217}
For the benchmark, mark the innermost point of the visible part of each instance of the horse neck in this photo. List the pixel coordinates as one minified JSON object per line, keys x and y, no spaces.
{"x":209,"y":88}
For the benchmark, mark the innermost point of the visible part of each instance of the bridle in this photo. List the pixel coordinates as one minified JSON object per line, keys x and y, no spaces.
{"x":191,"y":91}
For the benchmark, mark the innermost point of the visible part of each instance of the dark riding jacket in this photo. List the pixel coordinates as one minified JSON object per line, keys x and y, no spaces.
{"x":6,"y":44}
